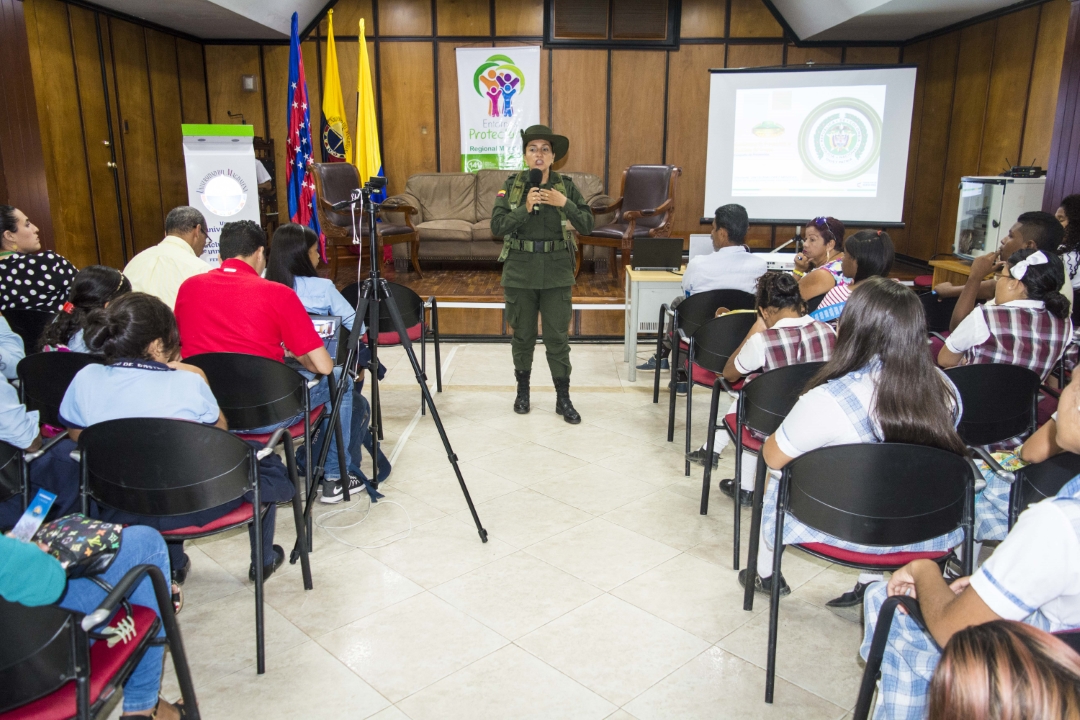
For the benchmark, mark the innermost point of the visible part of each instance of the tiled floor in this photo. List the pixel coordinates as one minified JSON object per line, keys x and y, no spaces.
{"x":602,"y":592}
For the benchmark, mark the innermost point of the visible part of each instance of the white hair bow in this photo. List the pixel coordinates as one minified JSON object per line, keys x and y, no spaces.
{"x":1020,"y":269}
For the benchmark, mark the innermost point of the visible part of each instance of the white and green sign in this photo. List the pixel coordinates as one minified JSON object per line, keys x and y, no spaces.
{"x":498,"y":97}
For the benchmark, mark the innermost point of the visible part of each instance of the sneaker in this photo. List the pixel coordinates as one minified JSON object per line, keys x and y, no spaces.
{"x":851,"y":598}
{"x":746,"y":498}
{"x":268,"y":570}
{"x":764,"y":586}
{"x":680,"y":387}
{"x":332,"y":492}
{"x":697,"y":457}
{"x":651,"y":365}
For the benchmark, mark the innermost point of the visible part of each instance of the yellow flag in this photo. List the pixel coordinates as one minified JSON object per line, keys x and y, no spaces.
{"x":368,"y":161}
{"x":337,"y":145}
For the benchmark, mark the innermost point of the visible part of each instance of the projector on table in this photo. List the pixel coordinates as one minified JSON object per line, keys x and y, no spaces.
{"x":780,"y":261}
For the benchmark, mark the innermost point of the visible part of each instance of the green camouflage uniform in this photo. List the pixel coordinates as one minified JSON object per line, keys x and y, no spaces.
{"x":538,"y":270}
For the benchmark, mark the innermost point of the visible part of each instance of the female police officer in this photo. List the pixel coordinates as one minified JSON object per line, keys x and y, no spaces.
{"x":538,"y":255}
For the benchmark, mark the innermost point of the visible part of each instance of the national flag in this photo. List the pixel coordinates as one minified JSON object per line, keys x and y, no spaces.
{"x":366,"y":150}
{"x":337,"y":144}
{"x":299,"y":152}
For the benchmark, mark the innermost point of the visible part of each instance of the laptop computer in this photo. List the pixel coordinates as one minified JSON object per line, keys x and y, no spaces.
{"x":329,"y":329}
{"x":657,"y":253}
{"x":700,"y":244}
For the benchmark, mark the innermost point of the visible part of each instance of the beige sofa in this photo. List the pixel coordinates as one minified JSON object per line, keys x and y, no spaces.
{"x":452,"y":212}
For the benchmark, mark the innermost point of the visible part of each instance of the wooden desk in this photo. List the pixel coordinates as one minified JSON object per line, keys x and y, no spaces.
{"x":952,"y":270}
{"x":646,"y":291}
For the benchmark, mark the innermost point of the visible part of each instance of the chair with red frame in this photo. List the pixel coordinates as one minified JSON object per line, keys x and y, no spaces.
{"x":872,"y":494}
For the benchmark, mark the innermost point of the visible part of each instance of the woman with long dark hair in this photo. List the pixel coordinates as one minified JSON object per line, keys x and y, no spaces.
{"x":30,"y":278}
{"x":880,"y":386}
{"x":294,"y":257}
{"x":1068,"y":214}
{"x":93,"y":289}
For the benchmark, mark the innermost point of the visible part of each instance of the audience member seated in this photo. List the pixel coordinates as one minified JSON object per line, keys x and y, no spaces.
{"x":1005,"y":670}
{"x":867,"y":254}
{"x":1031,"y":231}
{"x":1068,"y":214}
{"x":1028,"y":323}
{"x":161,"y":270}
{"x":12,"y":350}
{"x":293,"y":263}
{"x":232,"y":309}
{"x":783,"y":335}
{"x":880,"y":386}
{"x":32,"y":577}
{"x":1033,"y":576}
{"x":30,"y":278}
{"x":731,"y":265}
{"x":819,"y":267}
{"x":143,"y":377}
{"x":93,"y":289}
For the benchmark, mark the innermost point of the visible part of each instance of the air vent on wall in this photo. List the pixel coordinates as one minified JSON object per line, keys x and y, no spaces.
{"x":612,"y":23}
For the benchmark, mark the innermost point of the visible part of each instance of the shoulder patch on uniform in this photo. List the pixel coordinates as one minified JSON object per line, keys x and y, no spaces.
{"x":501,"y":193}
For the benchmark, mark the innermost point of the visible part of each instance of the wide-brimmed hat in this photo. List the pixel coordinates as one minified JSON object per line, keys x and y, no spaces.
{"x":559,"y":143}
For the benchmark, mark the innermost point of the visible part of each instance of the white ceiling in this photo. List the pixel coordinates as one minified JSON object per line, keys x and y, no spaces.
{"x":222,"y":19}
{"x":878,"y":20}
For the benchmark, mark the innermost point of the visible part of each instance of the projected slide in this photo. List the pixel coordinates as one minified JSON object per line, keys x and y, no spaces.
{"x":807,"y":141}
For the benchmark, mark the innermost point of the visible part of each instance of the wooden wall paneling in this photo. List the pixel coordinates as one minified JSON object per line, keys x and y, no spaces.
{"x":224,"y":66}
{"x":404,"y":17}
{"x":967,"y":123}
{"x":276,"y":82}
{"x":1006,"y":101}
{"x":703,"y":18}
{"x":579,"y":82}
{"x":688,"y":128}
{"x":750,"y":18}
{"x":189,"y":58}
{"x":165,"y":92}
{"x":636,"y":135}
{"x":933,"y":144}
{"x":312,"y":74}
{"x":121,"y":172}
{"x":872,"y":55}
{"x":519,"y":17}
{"x":105,"y":203}
{"x":917,"y":55}
{"x":347,"y":15}
{"x":28,"y":168}
{"x":545,"y":79}
{"x":408,"y":102}
{"x":449,"y":118}
{"x":1045,"y":77}
{"x":817,"y":55}
{"x":463,"y":17}
{"x":62,"y":138}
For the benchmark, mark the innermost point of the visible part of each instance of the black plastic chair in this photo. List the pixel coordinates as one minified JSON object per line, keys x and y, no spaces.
{"x":12,"y":478}
{"x":688,"y":316}
{"x":883,"y":494}
{"x":29,"y":324}
{"x":49,"y":669}
{"x":1000,"y":402}
{"x":763,"y":405}
{"x":938,"y":311}
{"x":708,"y":350}
{"x":1035,"y":483}
{"x":44,"y":379}
{"x":160,"y":467}
{"x":255,"y":392}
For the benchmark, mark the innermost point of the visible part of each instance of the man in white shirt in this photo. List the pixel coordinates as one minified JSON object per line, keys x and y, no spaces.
{"x":162,"y":269}
{"x":731,"y":265}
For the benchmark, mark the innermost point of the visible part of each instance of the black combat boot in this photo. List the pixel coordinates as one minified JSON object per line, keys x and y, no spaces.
{"x":563,"y":406}
{"x":521,"y":402}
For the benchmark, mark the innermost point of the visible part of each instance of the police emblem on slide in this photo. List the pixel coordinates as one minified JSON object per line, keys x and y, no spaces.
{"x":334,"y":140}
{"x":841,"y":139}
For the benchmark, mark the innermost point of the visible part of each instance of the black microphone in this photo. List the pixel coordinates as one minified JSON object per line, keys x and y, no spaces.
{"x":536,"y":177}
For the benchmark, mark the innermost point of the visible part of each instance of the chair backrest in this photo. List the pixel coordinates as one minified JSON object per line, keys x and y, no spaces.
{"x":764,"y":405}
{"x":162,"y":467}
{"x":1035,"y":483}
{"x":44,"y":379}
{"x":444,"y":196}
{"x":10,"y":471}
{"x":37,"y":655}
{"x":252,"y":391}
{"x":716,"y":340}
{"x":999,"y":402}
{"x":700,"y":308}
{"x":335,"y":182}
{"x":646,"y":187}
{"x":28,"y":324}
{"x":880,"y":493}
{"x":938,"y":311}
{"x":410,"y":305}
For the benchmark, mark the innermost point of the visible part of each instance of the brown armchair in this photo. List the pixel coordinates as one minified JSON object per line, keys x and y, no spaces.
{"x":645,"y":208}
{"x":335,"y":182}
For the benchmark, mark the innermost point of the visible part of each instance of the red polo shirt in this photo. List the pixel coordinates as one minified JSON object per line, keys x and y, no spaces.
{"x":232,"y":309}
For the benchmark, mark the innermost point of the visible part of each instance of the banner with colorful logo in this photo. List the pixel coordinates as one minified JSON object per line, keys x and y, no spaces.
{"x":498,"y":97}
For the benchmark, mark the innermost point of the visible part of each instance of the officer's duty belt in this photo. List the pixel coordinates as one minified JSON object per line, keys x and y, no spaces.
{"x":536,"y":246}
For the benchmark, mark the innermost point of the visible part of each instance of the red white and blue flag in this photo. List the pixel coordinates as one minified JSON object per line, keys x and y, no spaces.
{"x":299,"y":150}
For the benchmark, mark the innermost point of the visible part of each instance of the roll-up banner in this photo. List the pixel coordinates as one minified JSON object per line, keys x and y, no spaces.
{"x":221,"y":178}
{"x":498,"y":97}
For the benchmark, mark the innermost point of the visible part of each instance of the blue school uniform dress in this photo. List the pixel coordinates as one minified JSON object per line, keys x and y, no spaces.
{"x":11,"y":350}
{"x":321,"y":297}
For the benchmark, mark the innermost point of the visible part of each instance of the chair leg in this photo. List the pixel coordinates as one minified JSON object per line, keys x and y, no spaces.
{"x":625,"y":262}
{"x":689,"y":409}
{"x":656,"y":357}
{"x":774,"y":600}
{"x":674,"y":365}
{"x":736,"y":541}
{"x":710,"y":442}
{"x":175,"y":643}
{"x":302,"y":540}
{"x":435,"y":338}
{"x":755,"y":533}
{"x":877,"y":651}
{"x":414,"y":254}
{"x":260,"y":637}
{"x":423,"y":361}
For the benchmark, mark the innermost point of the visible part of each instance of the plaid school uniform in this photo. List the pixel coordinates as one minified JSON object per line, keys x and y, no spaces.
{"x":796,"y":532}
{"x":784,"y":346}
{"x":912,"y":655}
{"x":1028,"y":337}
